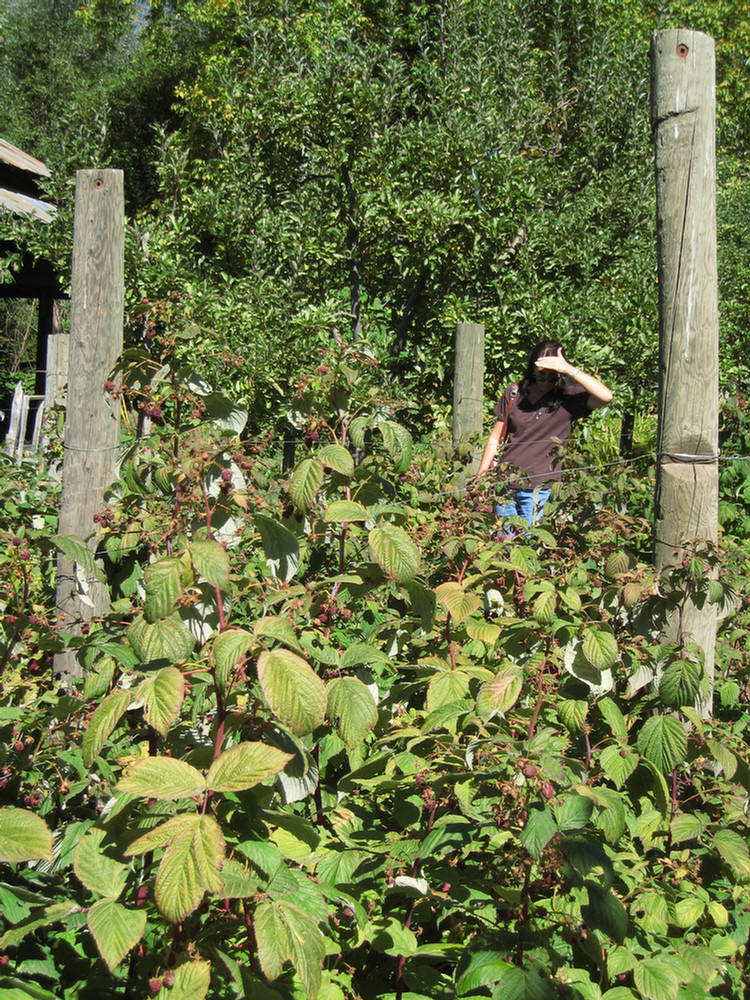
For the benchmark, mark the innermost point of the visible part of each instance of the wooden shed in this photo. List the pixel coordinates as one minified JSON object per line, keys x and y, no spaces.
{"x":20,"y":194}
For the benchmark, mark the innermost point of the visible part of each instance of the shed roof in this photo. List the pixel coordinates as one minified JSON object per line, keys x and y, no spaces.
{"x":17,"y":158}
{"x":20,"y":196}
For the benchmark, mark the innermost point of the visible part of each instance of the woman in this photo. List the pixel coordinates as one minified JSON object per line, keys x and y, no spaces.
{"x":535,"y":420}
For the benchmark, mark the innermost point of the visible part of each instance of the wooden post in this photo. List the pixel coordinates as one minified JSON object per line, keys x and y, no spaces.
{"x":91,"y":416}
{"x":468,"y":385}
{"x":683,"y":119}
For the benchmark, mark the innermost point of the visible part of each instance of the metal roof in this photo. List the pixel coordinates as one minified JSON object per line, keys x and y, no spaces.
{"x":17,"y":158}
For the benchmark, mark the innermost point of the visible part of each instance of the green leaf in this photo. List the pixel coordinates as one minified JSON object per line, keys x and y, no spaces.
{"x":190,"y":867}
{"x":162,"y":778}
{"x":686,"y":826}
{"x":351,"y":709}
{"x":168,"y":639}
{"x":284,"y":933}
{"x":573,"y":714}
{"x":237,"y":883}
{"x":106,"y":716}
{"x":295,"y":693}
{"x":573,"y":813}
{"x":540,"y":828}
{"x":600,"y":648}
{"x":501,"y":693}
{"x":724,"y":757}
{"x":456,"y":601}
{"x":281,"y":629}
{"x":656,"y":980}
{"x":229,"y":650}
{"x":210,"y":561}
{"x":362,"y":653}
{"x":663,"y":741}
{"x":483,"y":631}
{"x":98,"y":872}
{"x":336,"y":457}
{"x":389,"y":936}
{"x":245,"y":766}
{"x":605,"y":912}
{"x":163,"y":583}
{"x":398,"y":441}
{"x":520,"y":984}
{"x":115,"y":929}
{"x":306,"y":481}
{"x":39,"y":918}
{"x":162,"y":835}
{"x":446,"y":687}
{"x":225,"y":414}
{"x":394,"y":551}
{"x":680,"y":683}
{"x":24,"y":836}
{"x":544,"y":606}
{"x":618,"y":763}
{"x":191,"y":982}
{"x":345,"y":511}
{"x":358,"y":429}
{"x":478,"y":969}
{"x":79,"y":552}
{"x":688,"y":911}
{"x":732,"y":848}
{"x":162,"y":694}
{"x":614,"y":718}
{"x":280,"y":547}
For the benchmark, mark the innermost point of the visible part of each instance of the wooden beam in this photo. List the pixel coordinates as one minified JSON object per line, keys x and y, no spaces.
{"x":468,"y":386}
{"x":683,"y":117}
{"x":92,"y":426}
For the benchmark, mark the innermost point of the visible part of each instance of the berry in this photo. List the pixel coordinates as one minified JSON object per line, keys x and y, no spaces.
{"x":530,"y":771}
{"x":226,"y":475}
{"x":169,"y":978}
{"x":548,"y":790}
{"x":18,"y":746}
{"x":154,"y":984}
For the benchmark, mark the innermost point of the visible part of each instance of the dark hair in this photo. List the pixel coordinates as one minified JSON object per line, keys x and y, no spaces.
{"x":543,"y":349}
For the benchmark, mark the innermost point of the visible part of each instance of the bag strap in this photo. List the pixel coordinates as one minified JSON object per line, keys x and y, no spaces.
{"x":513,"y":394}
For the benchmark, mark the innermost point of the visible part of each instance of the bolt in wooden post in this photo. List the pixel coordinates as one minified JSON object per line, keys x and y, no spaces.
{"x":468,"y":386}
{"x":92,"y":428}
{"x":683,"y":118}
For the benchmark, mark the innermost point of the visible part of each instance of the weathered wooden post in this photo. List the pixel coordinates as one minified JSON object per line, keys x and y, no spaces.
{"x":91,"y":416}
{"x":683,"y":118}
{"x":468,"y":385}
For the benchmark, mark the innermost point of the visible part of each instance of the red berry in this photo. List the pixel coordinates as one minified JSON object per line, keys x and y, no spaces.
{"x":18,"y":746}
{"x":530,"y":771}
{"x":548,"y":790}
{"x":169,"y":978}
{"x":226,"y":475}
{"x":154,"y":984}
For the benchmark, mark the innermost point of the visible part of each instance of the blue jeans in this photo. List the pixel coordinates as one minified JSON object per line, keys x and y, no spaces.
{"x":527,"y":504}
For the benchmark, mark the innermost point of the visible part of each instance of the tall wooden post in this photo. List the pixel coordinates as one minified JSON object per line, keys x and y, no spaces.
{"x":468,"y":384}
{"x":91,"y":416}
{"x":683,"y":118}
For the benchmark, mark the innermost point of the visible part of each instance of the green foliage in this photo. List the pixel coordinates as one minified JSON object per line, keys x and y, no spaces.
{"x":337,"y":740}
